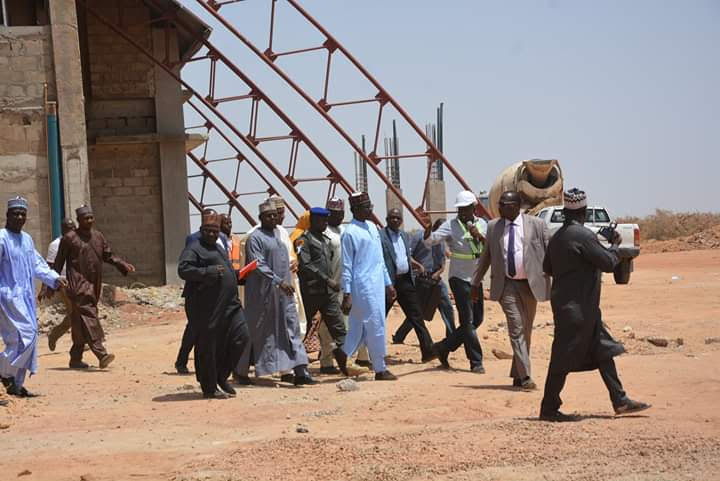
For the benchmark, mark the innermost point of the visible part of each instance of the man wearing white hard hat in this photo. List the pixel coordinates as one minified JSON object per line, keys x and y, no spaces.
{"x":465,"y":238}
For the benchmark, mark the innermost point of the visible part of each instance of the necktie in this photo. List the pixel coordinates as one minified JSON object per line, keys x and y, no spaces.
{"x":511,"y":251}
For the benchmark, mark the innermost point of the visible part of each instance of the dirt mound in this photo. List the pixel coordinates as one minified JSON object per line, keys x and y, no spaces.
{"x":118,"y":307}
{"x":706,"y":239}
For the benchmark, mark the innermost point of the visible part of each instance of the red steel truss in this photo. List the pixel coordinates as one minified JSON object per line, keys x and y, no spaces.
{"x":323,"y":106}
{"x":219,"y":126}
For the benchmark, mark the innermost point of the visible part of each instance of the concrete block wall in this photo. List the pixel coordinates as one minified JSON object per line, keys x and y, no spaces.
{"x":125,"y":186}
{"x":25,"y":66}
{"x":117,"y":69}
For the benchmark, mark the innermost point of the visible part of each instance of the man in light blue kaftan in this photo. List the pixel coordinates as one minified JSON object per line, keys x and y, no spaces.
{"x":20,"y":263}
{"x":365,"y":283}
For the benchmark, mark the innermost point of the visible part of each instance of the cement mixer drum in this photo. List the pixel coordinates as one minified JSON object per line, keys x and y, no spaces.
{"x":539,"y":182}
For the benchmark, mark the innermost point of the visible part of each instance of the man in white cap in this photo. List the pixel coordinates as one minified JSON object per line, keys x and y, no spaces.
{"x":576,"y":259}
{"x":270,"y":305}
{"x":84,"y":250}
{"x":20,"y":263}
{"x":465,"y":238}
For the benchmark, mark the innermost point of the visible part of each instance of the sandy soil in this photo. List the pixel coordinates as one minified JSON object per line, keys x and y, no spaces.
{"x":138,"y":420}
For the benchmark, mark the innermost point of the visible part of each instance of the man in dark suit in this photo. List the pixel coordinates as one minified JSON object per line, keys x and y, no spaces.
{"x":399,"y":264}
{"x":515,"y":251}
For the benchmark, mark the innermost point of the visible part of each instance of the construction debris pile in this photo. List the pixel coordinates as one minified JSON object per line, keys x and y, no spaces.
{"x":119,"y":307}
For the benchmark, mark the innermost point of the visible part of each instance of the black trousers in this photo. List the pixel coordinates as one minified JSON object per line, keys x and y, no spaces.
{"x":329,"y":307}
{"x":556,"y":381}
{"x":186,"y":344}
{"x":470,"y":315}
{"x":407,"y":297}
{"x":218,"y":349}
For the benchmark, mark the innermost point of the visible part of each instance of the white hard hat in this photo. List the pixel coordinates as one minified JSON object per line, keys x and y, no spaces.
{"x":465,"y":198}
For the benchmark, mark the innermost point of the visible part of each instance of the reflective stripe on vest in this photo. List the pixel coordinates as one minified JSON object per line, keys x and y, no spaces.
{"x":475,"y":250}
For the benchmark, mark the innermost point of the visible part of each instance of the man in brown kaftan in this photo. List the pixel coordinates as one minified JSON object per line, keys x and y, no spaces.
{"x":84,"y":251}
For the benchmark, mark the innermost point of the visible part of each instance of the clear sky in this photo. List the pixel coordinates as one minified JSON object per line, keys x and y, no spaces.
{"x":625,"y":94}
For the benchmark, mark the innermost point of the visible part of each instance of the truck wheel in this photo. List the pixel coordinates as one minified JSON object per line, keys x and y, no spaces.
{"x":622,"y":272}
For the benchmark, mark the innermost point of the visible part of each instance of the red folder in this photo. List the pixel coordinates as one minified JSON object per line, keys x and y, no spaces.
{"x":247,"y":269}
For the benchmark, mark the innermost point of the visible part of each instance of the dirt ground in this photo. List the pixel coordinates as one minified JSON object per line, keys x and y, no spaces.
{"x":138,"y":420}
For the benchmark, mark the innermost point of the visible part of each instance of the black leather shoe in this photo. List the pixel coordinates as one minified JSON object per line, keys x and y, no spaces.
{"x":517,"y":382}
{"x":14,"y":390}
{"x":181,"y":369}
{"x":225,"y":386}
{"x":290,"y":378}
{"x":631,"y":407}
{"x":216,"y":395}
{"x":442,"y":355}
{"x":427,"y":357}
{"x":478,"y":369}
{"x":78,"y":365}
{"x":385,"y":376}
{"x":396,"y":341}
{"x":556,"y":417}
{"x":329,"y":370}
{"x":305,"y":380}
{"x":363,"y":363}
{"x":7,"y":381}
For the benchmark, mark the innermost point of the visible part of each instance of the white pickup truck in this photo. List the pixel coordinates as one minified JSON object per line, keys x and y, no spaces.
{"x":598,"y":217}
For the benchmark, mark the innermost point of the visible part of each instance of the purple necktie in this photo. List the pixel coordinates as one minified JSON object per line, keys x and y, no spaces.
{"x":511,"y":251}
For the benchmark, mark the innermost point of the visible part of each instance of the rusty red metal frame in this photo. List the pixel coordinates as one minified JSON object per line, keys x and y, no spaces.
{"x":251,"y":140}
{"x":256,"y":95}
{"x":323,"y":106}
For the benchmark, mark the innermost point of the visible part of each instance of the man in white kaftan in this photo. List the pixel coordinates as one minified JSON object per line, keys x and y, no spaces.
{"x":20,"y":263}
{"x":365,"y":283}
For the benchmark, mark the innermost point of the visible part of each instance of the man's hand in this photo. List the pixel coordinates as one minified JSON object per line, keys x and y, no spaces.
{"x":334,"y":285}
{"x":436,"y":276}
{"x":346,"y":305}
{"x":617,"y":238}
{"x":390,"y":293}
{"x":294,"y":266}
{"x":475,"y":293}
{"x":287,"y":288}
{"x":476,"y":233}
{"x":62,"y":283}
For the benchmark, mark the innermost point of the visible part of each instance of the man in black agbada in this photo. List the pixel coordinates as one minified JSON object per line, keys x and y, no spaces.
{"x":576,"y":259}
{"x":213,"y":309}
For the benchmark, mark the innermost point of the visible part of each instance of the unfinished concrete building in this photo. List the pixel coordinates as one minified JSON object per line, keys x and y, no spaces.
{"x":121,"y":143}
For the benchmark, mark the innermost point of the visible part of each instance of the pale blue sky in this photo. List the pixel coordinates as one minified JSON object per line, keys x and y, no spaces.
{"x":626,"y":94}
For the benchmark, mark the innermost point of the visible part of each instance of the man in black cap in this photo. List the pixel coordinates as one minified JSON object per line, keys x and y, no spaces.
{"x":576,"y":260}
{"x":318,"y":287}
{"x":84,"y":250}
{"x":214,"y":311}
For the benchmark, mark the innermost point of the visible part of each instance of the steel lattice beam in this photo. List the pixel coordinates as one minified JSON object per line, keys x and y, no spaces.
{"x":323,"y":106}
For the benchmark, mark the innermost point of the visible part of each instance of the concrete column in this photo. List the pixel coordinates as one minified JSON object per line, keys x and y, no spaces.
{"x":392,"y":202}
{"x":436,"y":199}
{"x":71,"y":103}
{"x":173,"y":166}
